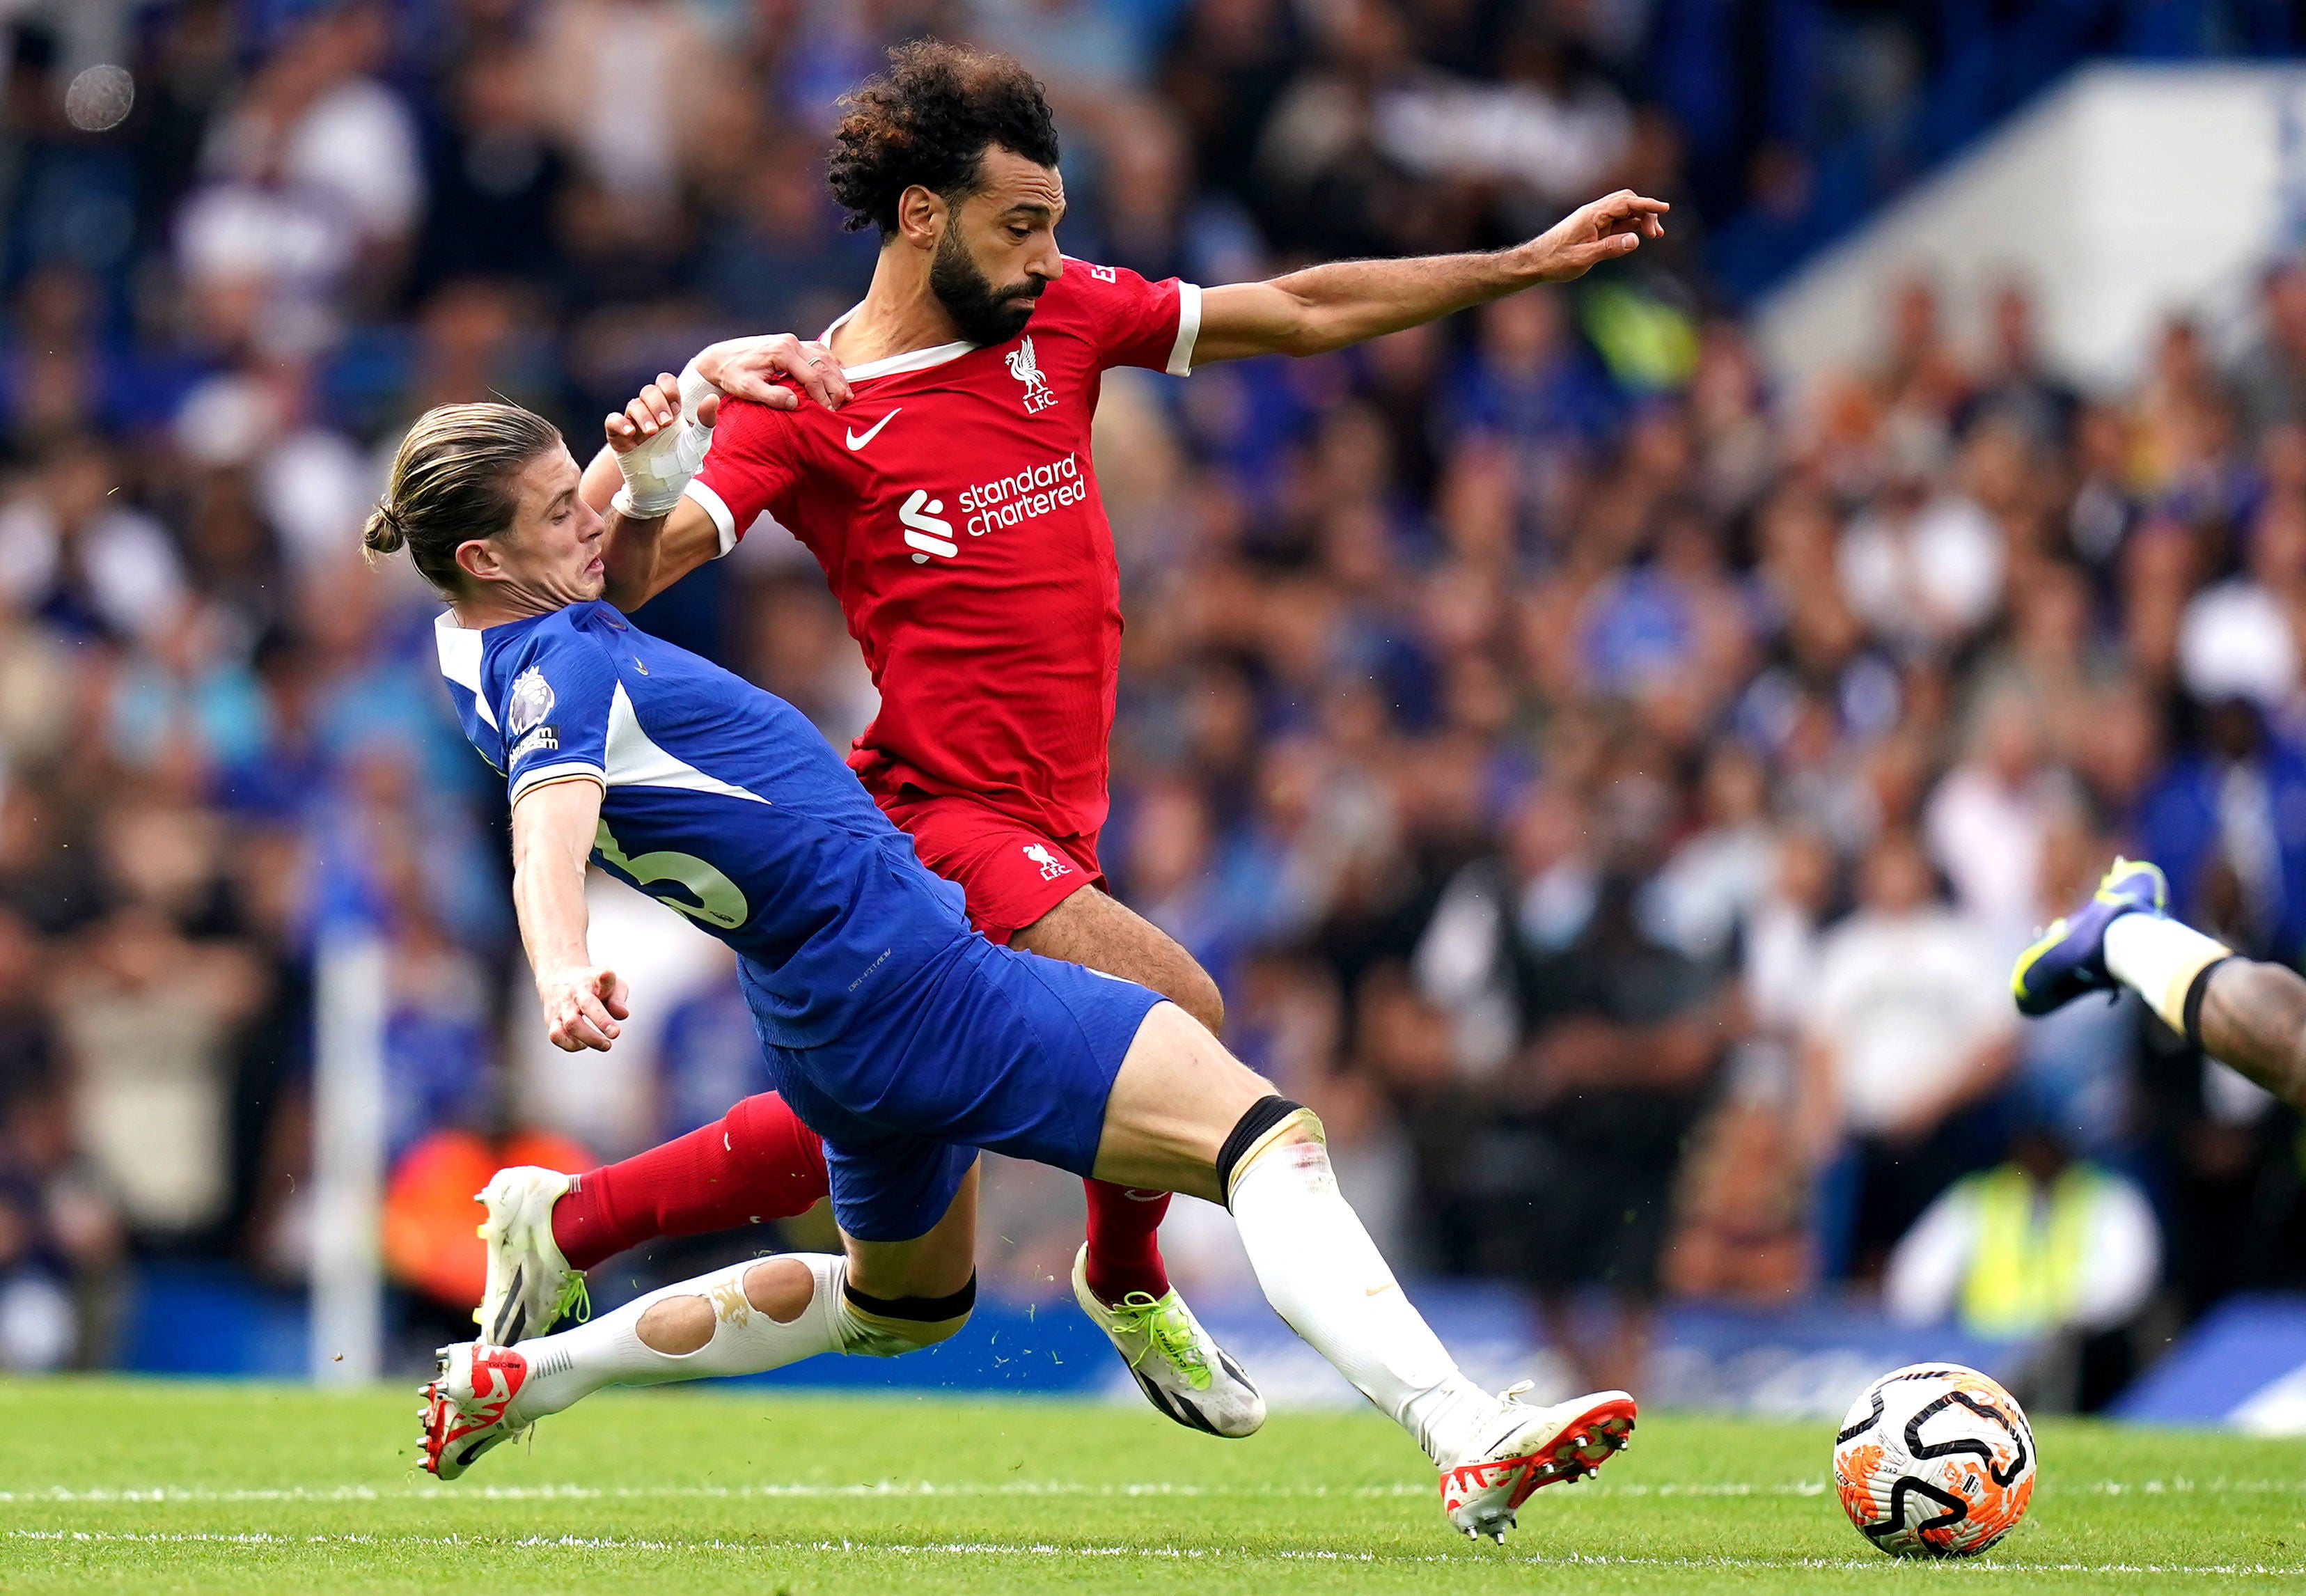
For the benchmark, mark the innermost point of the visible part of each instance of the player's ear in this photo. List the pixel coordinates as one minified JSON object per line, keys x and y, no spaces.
{"x":478,"y":559}
{"x":922,"y":215}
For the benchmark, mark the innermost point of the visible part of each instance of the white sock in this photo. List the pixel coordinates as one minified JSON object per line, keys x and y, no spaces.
{"x":565,"y":1369}
{"x":1325,"y":1277}
{"x":2158,"y":958}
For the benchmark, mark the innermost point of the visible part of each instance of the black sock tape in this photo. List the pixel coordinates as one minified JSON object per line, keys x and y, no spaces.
{"x":2195,"y":991}
{"x":924,"y":1310}
{"x":1263,"y":1115}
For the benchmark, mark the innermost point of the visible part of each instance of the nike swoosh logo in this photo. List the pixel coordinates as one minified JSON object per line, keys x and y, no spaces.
{"x":1375,"y":1289}
{"x":856,"y":442}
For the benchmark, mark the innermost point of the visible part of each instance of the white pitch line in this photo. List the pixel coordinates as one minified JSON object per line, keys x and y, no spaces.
{"x":1165,"y":1553}
{"x":806,"y":1490}
{"x":594,"y":1493}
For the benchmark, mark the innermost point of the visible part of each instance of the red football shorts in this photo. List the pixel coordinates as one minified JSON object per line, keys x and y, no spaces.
{"x":1011,"y":874}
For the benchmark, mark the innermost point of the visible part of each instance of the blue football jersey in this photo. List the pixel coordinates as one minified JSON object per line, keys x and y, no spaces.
{"x":720,"y":801}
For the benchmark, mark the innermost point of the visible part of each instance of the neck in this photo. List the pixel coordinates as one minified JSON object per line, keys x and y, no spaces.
{"x":900,"y":312}
{"x":498,"y":604}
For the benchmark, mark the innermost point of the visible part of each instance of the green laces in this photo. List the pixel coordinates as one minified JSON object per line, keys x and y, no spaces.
{"x":574,"y":1299}
{"x":1168,"y":1330}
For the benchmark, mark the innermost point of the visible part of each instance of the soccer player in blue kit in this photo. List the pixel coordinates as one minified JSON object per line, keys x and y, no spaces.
{"x":897,"y":1033}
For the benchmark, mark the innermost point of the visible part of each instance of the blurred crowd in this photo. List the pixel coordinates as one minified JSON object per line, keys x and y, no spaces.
{"x":1610,"y":788}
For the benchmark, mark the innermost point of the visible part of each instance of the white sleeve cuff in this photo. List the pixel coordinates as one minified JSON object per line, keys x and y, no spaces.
{"x":1189,"y":330}
{"x":545,"y":776}
{"x":713,"y":506}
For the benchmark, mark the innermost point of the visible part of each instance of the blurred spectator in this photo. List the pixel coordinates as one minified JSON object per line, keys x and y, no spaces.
{"x":2269,"y":380}
{"x":2043,"y":1243}
{"x":1921,"y":569}
{"x":314,"y":189}
{"x":2213,"y":821}
{"x":71,"y":551}
{"x":635,"y":83}
{"x":780,"y":262}
{"x":1909,"y":1039}
{"x":2017,"y":390}
{"x":1986,"y":821}
{"x":1624,"y":1036}
{"x":147,"y":1020}
{"x":2045,"y":1246}
{"x":494,"y":177}
{"x":1741,"y":1233}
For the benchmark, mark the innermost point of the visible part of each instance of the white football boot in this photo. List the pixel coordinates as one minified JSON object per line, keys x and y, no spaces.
{"x":1177,"y":1364}
{"x":465,"y":1405}
{"x":530,"y":1283}
{"x":1524,"y":1448}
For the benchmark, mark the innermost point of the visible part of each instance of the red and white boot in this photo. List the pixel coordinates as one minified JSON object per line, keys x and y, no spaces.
{"x":466,"y":1403}
{"x":1524,"y":1449}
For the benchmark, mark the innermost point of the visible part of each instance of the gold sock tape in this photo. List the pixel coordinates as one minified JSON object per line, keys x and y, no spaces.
{"x":1304,"y":1117}
{"x":880,"y":1336}
{"x":2173,"y":1006}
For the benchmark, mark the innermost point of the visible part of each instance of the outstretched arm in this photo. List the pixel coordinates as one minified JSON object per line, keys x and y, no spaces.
{"x":552,"y":831}
{"x":1350,"y":302}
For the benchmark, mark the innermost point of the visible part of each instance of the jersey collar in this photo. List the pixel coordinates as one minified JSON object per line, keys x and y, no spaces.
{"x":460,"y":660}
{"x":912,"y":359}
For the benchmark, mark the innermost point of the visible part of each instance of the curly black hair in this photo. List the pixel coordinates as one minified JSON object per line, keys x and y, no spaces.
{"x":928,"y":120}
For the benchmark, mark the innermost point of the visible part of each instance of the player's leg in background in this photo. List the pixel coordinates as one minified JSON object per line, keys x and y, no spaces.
{"x":755,"y":1164}
{"x":1183,"y":1113}
{"x":2242,"y":1012}
{"x":1094,"y":929}
{"x":2252,"y":1016}
{"x":2239,"y":1011}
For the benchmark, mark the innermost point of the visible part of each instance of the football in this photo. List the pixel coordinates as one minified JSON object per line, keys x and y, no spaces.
{"x":1934,"y":1460}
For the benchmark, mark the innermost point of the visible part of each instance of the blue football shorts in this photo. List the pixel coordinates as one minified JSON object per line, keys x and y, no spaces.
{"x":987,"y":1047}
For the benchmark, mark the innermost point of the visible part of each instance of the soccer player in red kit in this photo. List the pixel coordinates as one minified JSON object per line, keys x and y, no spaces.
{"x":952,"y":503}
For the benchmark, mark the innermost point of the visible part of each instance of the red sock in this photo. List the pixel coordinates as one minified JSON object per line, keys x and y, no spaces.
{"x":757,"y":1162}
{"x":1124,"y":1246}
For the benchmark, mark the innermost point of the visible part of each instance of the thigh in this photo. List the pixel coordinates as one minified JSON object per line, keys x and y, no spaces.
{"x":1091,"y":927}
{"x":1178,"y":1096}
{"x":935,"y":1263}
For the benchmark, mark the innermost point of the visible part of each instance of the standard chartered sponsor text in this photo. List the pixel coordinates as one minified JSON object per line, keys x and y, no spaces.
{"x":1022,"y":495}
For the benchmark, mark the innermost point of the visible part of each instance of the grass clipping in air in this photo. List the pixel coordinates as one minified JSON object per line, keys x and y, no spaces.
{"x":135,"y":1486}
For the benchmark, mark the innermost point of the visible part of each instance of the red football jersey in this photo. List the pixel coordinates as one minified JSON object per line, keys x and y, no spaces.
{"x":956,"y":514}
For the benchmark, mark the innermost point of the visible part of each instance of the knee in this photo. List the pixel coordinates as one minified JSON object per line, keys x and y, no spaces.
{"x":781,"y":1287}
{"x":1270,"y":1124}
{"x":675,"y":1326}
{"x":889,"y":1328}
{"x":1178,"y":977}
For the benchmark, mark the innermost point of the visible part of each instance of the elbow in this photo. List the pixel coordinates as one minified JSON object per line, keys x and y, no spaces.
{"x":1312,"y":337}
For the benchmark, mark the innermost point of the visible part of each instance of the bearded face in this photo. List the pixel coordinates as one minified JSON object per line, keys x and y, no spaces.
{"x":983,"y":313}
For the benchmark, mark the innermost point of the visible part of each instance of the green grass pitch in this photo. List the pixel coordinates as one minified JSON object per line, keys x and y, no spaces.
{"x":156,"y":1486}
